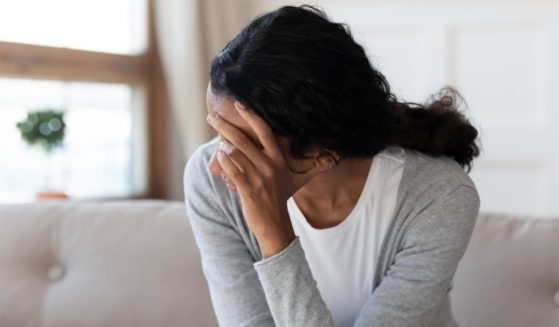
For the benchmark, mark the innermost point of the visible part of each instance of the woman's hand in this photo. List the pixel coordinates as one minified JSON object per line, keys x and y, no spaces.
{"x":261,"y":177}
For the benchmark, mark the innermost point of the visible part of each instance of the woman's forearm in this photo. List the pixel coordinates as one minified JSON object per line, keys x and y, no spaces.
{"x":290,"y":289}
{"x":276,"y":240}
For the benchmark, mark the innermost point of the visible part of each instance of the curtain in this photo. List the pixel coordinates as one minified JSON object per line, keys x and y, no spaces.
{"x":189,"y":33}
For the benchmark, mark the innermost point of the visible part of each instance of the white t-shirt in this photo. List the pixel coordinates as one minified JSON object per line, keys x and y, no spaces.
{"x":342,"y":258}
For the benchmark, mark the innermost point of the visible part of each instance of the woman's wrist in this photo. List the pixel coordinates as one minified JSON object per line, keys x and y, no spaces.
{"x":275,"y":241}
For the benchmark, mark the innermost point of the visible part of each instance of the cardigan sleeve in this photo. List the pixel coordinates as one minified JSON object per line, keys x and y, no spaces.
{"x":236,"y":293}
{"x":413,"y":289}
{"x":417,"y":283}
{"x":291,"y":291}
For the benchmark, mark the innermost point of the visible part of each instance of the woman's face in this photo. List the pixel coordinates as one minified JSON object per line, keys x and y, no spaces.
{"x":225,"y":107}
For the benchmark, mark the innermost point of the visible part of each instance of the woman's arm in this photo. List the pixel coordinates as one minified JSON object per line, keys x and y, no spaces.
{"x":290,"y":288}
{"x":236,"y":292}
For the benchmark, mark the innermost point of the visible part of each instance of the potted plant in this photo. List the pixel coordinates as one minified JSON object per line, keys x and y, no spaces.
{"x":44,"y":129}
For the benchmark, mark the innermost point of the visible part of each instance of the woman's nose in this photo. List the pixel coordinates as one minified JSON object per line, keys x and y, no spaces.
{"x":215,"y":168}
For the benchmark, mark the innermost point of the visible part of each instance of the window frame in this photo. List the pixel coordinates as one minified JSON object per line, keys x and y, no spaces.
{"x":18,"y":60}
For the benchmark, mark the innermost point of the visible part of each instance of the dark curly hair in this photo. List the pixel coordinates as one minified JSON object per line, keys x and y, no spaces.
{"x":313,"y":84}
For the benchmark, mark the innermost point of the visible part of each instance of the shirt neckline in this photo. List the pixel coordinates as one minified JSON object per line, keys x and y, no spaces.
{"x":350,"y":218}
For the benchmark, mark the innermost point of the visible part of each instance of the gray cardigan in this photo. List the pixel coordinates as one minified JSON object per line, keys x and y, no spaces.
{"x":436,"y":210}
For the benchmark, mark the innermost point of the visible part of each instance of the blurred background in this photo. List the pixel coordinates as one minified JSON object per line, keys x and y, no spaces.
{"x":105,"y":98}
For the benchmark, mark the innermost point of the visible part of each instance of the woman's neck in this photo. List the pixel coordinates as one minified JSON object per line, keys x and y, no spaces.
{"x":329,"y":197}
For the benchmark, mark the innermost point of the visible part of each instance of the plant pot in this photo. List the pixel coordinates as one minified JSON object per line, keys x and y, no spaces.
{"x":51,"y":196}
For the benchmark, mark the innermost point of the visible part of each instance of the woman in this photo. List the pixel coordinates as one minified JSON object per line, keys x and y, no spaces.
{"x":325,"y":201}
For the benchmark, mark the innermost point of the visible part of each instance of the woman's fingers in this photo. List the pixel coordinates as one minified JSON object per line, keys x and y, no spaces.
{"x":262,"y":130}
{"x":232,"y":171}
{"x":240,"y":160}
{"x":237,"y":138}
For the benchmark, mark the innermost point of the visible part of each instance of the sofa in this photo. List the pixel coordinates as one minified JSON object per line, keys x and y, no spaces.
{"x":135,"y":263}
{"x":100,"y":264}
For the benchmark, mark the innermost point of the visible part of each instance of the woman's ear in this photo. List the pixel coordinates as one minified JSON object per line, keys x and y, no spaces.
{"x":324,"y":160}
{"x":316,"y":163}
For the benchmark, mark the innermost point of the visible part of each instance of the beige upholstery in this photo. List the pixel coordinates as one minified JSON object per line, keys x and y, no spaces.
{"x":135,"y":263}
{"x":71,"y":264}
{"x":509,"y":275}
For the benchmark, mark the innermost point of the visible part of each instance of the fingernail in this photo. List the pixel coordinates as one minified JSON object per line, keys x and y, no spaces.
{"x":219,"y":155}
{"x":227,"y":147}
{"x":212,"y":118}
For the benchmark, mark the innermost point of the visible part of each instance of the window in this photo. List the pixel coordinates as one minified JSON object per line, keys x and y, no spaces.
{"x":95,"y":61}
{"x":115,"y":26}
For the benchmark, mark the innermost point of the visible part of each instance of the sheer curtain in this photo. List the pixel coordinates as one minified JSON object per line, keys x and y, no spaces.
{"x":189,"y":34}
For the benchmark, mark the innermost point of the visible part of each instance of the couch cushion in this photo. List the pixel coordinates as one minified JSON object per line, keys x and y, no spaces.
{"x":509,"y":275}
{"x":130,"y":263}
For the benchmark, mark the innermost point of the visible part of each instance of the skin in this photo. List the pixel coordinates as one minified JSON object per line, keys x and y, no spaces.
{"x":260,"y":169}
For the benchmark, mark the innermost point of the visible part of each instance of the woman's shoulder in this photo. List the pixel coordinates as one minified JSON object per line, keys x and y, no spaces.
{"x":198,"y":179}
{"x":438,"y":195}
{"x":427,"y":169}
{"x":429,"y":179}
{"x":198,"y":161}
{"x":202,"y":189}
